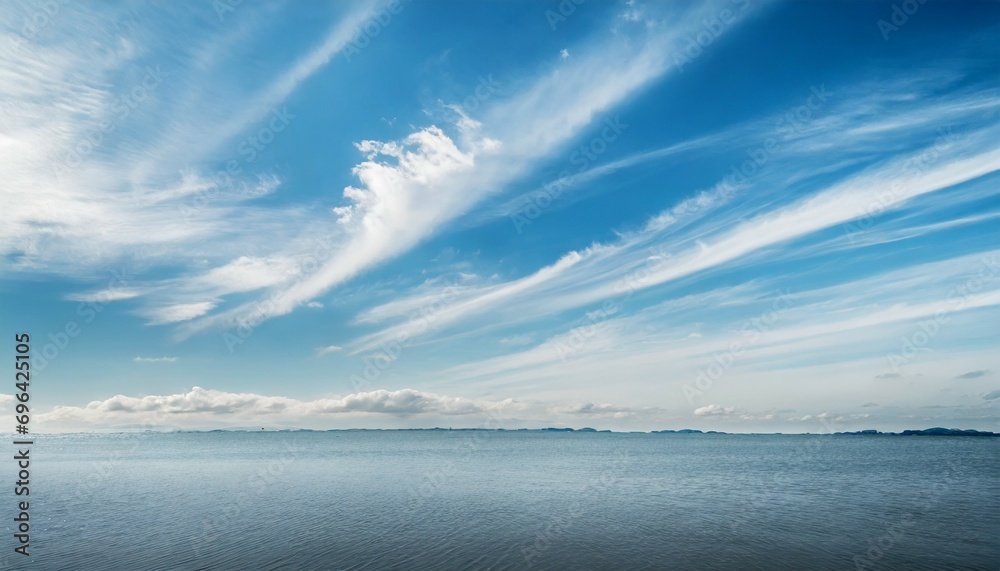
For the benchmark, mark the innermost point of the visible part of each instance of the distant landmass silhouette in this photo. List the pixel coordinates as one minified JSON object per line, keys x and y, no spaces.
{"x":936,"y":431}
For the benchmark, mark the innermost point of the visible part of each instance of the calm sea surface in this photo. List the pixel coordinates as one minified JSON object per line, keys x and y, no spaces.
{"x":507,"y":500}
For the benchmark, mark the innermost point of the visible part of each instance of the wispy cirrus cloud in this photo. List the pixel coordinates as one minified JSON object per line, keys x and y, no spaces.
{"x":853,"y":325}
{"x":412,"y":187}
{"x":155,"y":359}
{"x":729,"y":238}
{"x":122,"y":134}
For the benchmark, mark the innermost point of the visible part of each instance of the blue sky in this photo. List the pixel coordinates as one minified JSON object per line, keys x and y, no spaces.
{"x":731,"y":215}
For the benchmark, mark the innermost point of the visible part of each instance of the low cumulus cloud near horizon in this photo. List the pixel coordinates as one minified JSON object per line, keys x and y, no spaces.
{"x":201,"y":401}
{"x":209,"y":408}
{"x":200,"y":409}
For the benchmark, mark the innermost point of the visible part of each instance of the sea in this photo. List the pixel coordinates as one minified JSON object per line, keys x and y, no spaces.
{"x":456,"y":499}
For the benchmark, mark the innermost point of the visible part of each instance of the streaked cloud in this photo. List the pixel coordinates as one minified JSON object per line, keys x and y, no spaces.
{"x":714,"y":410}
{"x":155,"y":359}
{"x":320,"y":351}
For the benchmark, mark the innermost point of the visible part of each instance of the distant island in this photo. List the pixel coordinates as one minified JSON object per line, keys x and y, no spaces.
{"x":938,"y":431}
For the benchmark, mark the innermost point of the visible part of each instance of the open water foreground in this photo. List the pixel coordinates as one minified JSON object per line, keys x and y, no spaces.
{"x":508,"y":500}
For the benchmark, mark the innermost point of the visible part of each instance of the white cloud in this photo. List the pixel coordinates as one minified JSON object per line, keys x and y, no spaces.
{"x":454,"y":304}
{"x":202,"y":408}
{"x":246,"y":273}
{"x":320,"y":351}
{"x":410,"y":188}
{"x":858,"y":321}
{"x":405,"y":402}
{"x":728,"y":238}
{"x":520,"y":339}
{"x":714,"y":410}
{"x":155,"y":359}
{"x":338,"y":37}
{"x":177,"y":312}
{"x":140,"y":191}
{"x":601,"y":410}
{"x":107,"y":295}
{"x":213,"y":408}
{"x":200,"y":400}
